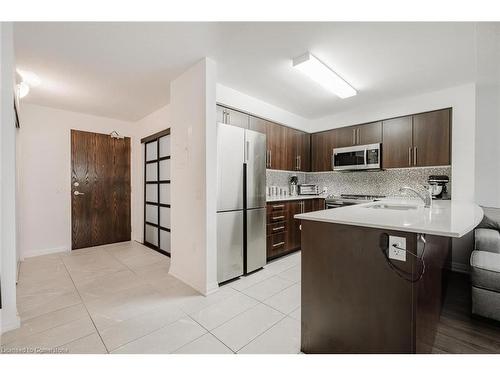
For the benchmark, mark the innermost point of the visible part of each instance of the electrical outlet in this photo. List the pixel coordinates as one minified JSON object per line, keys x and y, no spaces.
{"x":396,"y":253}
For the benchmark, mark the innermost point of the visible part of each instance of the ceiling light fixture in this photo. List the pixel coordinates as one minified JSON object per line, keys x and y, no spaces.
{"x":322,"y":74}
{"x":23,"y":89}
{"x":29,"y":77}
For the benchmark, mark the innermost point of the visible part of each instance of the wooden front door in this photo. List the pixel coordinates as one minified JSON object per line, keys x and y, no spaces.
{"x":100,"y":189}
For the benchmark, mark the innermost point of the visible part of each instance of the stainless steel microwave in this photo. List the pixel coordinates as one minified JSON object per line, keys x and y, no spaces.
{"x":356,"y":157}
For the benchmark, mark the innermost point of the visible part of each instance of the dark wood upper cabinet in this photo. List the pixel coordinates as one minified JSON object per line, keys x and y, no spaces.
{"x":277,"y":145}
{"x":322,"y":145}
{"x":369,"y":133}
{"x":258,"y":125}
{"x":298,"y":146}
{"x":397,"y":147}
{"x":358,"y":135}
{"x":232,"y":117}
{"x":237,"y":118}
{"x":345,"y":137}
{"x":305,"y":152}
{"x":431,"y":138}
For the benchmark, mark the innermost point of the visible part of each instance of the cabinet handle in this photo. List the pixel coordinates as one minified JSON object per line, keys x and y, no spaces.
{"x":279,"y":206}
{"x":278,"y":217}
{"x":353,"y":136}
{"x":279,"y":244}
{"x":278,"y":228}
{"x":359,"y":137}
{"x":270,"y":158}
{"x":414,"y":156}
{"x":267,"y":158}
{"x":300,"y":162}
{"x":409,"y":156}
{"x":228,"y":118}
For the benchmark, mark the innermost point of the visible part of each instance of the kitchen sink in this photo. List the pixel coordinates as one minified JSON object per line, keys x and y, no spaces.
{"x":389,"y":206}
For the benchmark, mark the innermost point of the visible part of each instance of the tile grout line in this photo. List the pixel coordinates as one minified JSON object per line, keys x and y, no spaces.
{"x":256,"y":337}
{"x":240,"y":313}
{"x":85,"y":306}
{"x":208,"y":331}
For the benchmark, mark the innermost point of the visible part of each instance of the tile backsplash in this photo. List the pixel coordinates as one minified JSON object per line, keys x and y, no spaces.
{"x":386,"y":182}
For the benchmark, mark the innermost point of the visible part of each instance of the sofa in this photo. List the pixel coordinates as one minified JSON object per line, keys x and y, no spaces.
{"x":485,"y":266}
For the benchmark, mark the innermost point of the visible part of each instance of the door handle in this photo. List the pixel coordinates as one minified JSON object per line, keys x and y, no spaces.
{"x":78,"y":193}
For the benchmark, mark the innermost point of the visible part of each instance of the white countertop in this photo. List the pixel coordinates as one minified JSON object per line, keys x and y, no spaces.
{"x":294,"y":198}
{"x":445,"y":218}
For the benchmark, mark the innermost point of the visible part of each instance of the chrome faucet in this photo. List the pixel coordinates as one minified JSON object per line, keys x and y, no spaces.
{"x":426,"y":198}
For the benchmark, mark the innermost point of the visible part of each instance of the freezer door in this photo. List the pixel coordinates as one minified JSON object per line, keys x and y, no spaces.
{"x":256,"y":239}
{"x":230,"y":159}
{"x":229,"y":245}
{"x":255,"y":158}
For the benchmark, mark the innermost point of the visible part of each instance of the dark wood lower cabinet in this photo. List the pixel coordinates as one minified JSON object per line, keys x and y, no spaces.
{"x":353,"y":301}
{"x":283,"y":230}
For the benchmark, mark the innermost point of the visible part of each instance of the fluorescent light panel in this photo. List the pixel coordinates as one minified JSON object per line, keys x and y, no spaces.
{"x":322,"y":74}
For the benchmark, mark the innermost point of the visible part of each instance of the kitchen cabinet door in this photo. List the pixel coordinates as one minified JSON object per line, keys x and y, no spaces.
{"x":345,"y":137}
{"x":258,"y":124}
{"x":293,"y":234}
{"x":220,"y":113}
{"x":292,"y":149}
{"x":236,"y":118}
{"x":304,"y":152}
{"x":322,"y":145}
{"x":431,"y":138}
{"x":369,"y":133}
{"x":276,"y":137}
{"x":397,"y":146}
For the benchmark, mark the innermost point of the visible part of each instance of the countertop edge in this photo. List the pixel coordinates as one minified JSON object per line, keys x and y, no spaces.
{"x":455,"y":234}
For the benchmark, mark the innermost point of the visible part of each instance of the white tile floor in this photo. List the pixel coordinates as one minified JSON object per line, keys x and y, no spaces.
{"x":120,"y":299}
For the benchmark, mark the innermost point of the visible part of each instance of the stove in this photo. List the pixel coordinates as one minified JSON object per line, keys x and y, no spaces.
{"x":335,"y":201}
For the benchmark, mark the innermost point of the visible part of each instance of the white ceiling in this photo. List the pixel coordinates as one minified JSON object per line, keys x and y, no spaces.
{"x":123,"y":70}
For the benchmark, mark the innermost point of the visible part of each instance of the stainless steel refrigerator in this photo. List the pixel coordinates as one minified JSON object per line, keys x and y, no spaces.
{"x":241,"y":201}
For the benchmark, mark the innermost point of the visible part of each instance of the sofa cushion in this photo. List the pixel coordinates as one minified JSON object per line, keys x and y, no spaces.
{"x":487,"y":240}
{"x":491,"y":218}
{"x":485,"y":270}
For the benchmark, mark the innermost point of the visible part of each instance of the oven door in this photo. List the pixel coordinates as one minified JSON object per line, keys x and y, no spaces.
{"x":349,"y":158}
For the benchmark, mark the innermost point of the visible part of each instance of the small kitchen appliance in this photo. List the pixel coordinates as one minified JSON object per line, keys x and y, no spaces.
{"x":438,"y":186}
{"x":356,"y":158}
{"x":308,"y":189}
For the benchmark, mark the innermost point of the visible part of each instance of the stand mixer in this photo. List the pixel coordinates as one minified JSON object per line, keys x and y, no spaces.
{"x":438,"y":186}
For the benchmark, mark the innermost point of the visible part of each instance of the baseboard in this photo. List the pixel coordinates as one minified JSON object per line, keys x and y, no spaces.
{"x":206,"y":292}
{"x":34,"y":253}
{"x":11,"y":324}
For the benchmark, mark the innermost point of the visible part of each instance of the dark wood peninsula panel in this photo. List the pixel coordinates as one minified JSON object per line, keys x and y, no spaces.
{"x":354,"y":302}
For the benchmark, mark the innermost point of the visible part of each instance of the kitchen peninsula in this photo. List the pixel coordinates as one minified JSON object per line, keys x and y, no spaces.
{"x":362,"y":295}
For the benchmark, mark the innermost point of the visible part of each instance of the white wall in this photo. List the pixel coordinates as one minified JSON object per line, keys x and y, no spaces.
{"x":8,"y":246}
{"x":151,"y":124}
{"x":45,"y":174}
{"x":487,"y":145}
{"x":238,"y":100}
{"x":193,"y":147}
